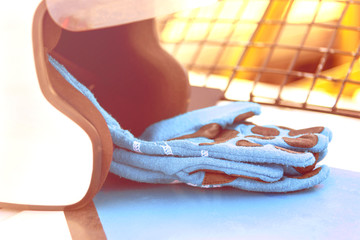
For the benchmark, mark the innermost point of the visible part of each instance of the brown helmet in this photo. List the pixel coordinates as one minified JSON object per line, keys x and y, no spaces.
{"x":115,"y":54}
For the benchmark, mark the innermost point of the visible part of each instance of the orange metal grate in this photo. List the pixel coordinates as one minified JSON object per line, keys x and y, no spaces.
{"x":301,"y":54}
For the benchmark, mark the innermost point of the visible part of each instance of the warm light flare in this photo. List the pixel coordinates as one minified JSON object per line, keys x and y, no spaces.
{"x":356,"y":96}
{"x":303,"y":11}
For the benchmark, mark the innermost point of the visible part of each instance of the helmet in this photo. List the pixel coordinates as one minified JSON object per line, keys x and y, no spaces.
{"x":121,"y":61}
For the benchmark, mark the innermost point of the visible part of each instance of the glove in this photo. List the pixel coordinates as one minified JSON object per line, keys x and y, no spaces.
{"x":216,"y":147}
{"x":219,"y":148}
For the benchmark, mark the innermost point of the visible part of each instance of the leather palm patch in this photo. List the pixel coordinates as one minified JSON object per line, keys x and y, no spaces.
{"x":210,"y":131}
{"x":245,"y":143}
{"x":265,"y":131}
{"x":309,"y":174}
{"x":217,"y":177}
{"x":304,"y":141}
{"x":305,"y":131}
{"x":242,"y":117}
{"x":304,"y":170}
{"x":224,"y":136}
{"x":214,"y":177}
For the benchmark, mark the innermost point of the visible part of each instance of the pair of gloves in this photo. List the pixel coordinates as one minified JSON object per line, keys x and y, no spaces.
{"x":216,"y":147}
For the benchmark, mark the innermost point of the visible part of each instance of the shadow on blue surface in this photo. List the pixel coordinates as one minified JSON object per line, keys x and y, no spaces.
{"x":131,"y":210}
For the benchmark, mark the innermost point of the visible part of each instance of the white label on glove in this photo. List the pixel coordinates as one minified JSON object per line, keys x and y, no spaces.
{"x":204,"y":153}
{"x":167,"y":149}
{"x":136,"y":146}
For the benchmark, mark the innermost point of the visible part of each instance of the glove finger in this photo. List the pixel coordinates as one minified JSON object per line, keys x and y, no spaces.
{"x":198,"y":179}
{"x":286,"y":184}
{"x":226,"y":146}
{"x":171,"y":166}
{"x":238,"y":151}
{"x":191,"y":122}
{"x":141,"y":175}
{"x":265,"y":173}
{"x":297,"y":171}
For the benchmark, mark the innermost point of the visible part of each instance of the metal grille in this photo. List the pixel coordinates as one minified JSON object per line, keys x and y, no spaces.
{"x":301,"y":54}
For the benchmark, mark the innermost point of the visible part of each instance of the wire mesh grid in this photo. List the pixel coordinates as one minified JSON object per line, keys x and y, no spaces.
{"x":301,"y":54}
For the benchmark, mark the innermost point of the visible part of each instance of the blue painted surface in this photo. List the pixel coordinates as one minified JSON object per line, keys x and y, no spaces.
{"x":130,"y":210}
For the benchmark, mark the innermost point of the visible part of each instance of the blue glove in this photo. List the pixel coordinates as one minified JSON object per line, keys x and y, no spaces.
{"x":216,"y":147}
{"x":295,"y":152}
